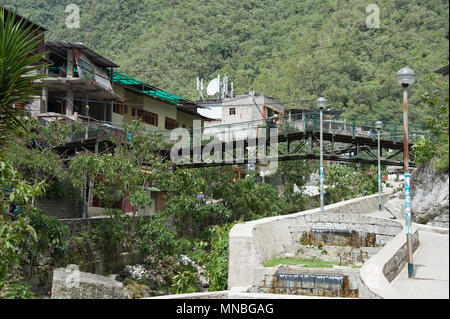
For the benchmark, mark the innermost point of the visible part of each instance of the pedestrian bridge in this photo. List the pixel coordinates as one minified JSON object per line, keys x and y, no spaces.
{"x":346,"y":139}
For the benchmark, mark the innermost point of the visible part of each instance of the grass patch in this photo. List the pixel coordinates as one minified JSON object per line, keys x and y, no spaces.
{"x":313,"y":262}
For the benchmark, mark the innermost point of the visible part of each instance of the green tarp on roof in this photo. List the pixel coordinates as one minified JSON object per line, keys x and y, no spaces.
{"x":146,"y":89}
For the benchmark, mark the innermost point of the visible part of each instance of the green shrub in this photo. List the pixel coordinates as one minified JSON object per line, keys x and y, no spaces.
{"x":184,"y":282}
{"x":51,"y":234}
{"x":156,"y":236}
{"x":217,"y":262}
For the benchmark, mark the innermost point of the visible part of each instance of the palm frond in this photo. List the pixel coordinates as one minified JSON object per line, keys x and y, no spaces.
{"x":19,"y":69}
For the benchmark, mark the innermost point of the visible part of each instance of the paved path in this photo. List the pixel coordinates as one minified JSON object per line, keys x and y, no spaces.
{"x":431,"y":263}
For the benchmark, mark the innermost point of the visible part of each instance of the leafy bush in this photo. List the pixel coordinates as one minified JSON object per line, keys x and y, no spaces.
{"x":156,"y":236}
{"x":184,"y":282}
{"x":13,"y":236}
{"x":435,"y":148}
{"x":51,"y":234}
{"x":217,"y":261}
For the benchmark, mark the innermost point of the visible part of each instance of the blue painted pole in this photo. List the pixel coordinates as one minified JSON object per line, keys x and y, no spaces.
{"x":407,"y":183}
{"x":321,"y":161}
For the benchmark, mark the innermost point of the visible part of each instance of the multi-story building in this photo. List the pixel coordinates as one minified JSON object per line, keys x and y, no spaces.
{"x":81,"y":85}
{"x":84,"y":82}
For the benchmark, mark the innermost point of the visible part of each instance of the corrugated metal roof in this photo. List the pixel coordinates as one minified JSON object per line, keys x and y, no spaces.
{"x":99,"y":60}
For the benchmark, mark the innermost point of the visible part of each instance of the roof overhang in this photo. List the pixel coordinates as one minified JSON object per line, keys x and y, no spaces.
{"x":61,"y":48}
{"x":81,"y":87}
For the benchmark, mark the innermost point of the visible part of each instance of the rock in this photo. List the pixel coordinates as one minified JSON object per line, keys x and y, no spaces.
{"x":69,"y":283}
{"x":185,"y":260}
{"x":430,"y":196}
{"x":136,"y":272}
{"x":137,"y":291}
{"x":396,"y":206}
{"x":202,"y":281}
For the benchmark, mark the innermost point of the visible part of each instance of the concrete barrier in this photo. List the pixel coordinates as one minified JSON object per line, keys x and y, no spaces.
{"x":254,"y":242}
{"x":378,"y":272}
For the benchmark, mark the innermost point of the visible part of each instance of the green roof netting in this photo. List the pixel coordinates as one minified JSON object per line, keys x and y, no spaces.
{"x":146,"y":89}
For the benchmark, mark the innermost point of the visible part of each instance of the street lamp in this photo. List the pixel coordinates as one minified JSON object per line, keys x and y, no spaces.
{"x":405,"y":77}
{"x":379,"y":126}
{"x":321,"y":102}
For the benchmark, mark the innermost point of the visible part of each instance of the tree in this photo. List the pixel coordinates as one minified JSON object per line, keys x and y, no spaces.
{"x":35,"y":152}
{"x":126,"y":173}
{"x":435,"y":148}
{"x":15,"y":231}
{"x":18,"y":69}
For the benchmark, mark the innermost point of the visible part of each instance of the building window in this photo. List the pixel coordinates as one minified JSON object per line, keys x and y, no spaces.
{"x":133,"y":111}
{"x":125,"y":109}
{"x":148,"y":117}
{"x":232,"y":111}
{"x":170,"y":124}
{"x":118,"y":108}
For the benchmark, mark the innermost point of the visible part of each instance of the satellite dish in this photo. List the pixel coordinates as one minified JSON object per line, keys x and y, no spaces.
{"x":213,"y":87}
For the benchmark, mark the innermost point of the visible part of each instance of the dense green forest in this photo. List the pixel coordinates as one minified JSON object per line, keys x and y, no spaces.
{"x":289,"y":49}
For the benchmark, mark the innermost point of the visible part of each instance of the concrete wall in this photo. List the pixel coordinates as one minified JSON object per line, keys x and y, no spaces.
{"x":140,"y":102}
{"x":187,"y":119}
{"x":79,"y":225}
{"x":253,"y":243}
{"x":377,"y":273}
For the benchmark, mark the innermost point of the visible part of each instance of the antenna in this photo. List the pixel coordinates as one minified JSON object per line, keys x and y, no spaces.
{"x":200,"y":88}
{"x":213,"y":87}
{"x":225,"y":86}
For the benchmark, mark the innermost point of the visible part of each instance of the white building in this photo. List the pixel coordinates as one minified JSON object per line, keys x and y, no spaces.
{"x":240,"y":115}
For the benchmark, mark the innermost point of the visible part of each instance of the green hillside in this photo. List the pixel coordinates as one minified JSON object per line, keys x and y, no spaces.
{"x":289,"y":49}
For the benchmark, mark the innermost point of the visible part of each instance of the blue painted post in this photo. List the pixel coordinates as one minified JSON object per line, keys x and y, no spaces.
{"x":407,"y":182}
{"x":378,"y":126}
{"x":321,"y":161}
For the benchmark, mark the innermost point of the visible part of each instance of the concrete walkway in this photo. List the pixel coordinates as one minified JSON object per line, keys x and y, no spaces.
{"x":431,"y":269}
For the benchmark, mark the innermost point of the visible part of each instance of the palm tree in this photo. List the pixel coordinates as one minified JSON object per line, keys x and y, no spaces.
{"x":19,"y":68}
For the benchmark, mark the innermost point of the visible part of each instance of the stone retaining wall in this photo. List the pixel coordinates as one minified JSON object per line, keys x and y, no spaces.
{"x":61,"y":208}
{"x":80,"y":225}
{"x":292,"y":280}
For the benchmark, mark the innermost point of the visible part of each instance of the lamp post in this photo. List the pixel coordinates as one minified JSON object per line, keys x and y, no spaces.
{"x":379,"y":126}
{"x":406,"y":76}
{"x":321,"y":102}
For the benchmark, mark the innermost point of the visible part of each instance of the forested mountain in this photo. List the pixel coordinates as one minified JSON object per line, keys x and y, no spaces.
{"x":289,"y":49}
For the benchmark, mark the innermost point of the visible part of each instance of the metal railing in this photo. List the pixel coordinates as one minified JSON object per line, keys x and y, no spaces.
{"x":286,"y":125}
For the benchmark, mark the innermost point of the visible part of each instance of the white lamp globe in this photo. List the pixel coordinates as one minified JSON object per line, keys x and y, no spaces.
{"x":406,"y":76}
{"x":321,"y":102}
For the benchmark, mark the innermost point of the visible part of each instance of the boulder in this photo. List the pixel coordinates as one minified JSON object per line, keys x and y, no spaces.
{"x":69,"y":283}
{"x":395,"y":205}
{"x":430,"y":196}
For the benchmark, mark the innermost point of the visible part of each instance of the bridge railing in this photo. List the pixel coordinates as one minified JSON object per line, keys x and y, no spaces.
{"x":288,"y":124}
